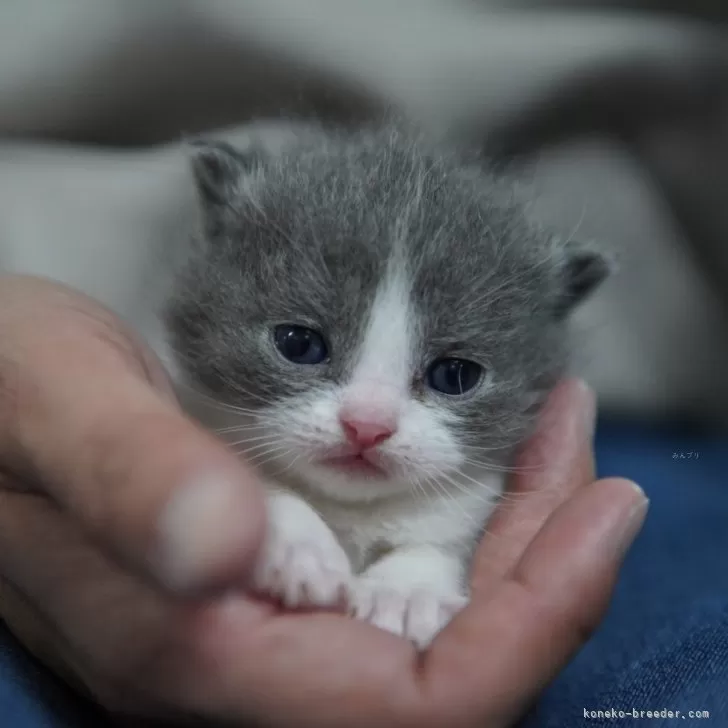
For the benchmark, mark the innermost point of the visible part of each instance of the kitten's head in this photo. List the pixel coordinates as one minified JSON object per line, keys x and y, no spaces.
{"x":385,"y":317}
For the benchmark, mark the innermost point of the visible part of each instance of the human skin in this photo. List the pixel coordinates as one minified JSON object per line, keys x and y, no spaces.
{"x":96,"y":459}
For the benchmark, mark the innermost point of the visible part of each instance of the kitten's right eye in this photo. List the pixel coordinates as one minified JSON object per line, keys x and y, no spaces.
{"x":454,"y":376}
{"x":301,"y":345}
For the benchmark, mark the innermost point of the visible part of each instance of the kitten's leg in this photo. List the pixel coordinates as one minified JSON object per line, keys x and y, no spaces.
{"x":412,"y":591}
{"x":301,"y":563}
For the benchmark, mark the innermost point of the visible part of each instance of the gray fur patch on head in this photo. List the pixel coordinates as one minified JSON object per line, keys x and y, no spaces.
{"x":306,"y":235}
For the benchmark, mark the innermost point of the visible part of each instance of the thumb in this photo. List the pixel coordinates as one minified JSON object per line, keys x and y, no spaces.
{"x":82,"y":421}
{"x":516,"y":639}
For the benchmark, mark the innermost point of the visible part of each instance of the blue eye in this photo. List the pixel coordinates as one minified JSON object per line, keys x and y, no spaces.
{"x":454,"y":376}
{"x":300,"y":345}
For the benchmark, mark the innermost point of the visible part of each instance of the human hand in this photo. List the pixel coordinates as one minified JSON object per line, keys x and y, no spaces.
{"x":110,"y":561}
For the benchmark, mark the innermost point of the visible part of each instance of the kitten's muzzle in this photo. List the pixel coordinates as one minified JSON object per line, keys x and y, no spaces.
{"x":356,"y":464}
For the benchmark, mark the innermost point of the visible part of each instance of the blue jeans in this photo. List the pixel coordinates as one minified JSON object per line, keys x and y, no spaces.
{"x":663,"y":646}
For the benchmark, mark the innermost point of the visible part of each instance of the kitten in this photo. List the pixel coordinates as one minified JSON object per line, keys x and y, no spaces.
{"x":381,"y":323}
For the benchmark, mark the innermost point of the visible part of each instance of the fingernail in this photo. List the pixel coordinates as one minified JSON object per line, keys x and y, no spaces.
{"x":201,"y":531}
{"x":588,"y":412}
{"x":629,"y":528}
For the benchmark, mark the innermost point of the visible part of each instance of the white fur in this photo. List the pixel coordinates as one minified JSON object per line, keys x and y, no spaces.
{"x":413,"y":591}
{"x":97,"y":220}
{"x":107,"y":227}
{"x":301,"y":562}
{"x":385,"y":357}
{"x":425,"y":515}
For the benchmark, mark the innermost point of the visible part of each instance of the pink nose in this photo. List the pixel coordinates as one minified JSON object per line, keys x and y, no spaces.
{"x":366,"y":433}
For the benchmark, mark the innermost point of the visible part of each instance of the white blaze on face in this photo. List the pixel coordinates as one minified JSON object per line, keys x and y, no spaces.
{"x":379,"y":395}
{"x":413,"y":436}
{"x":380,"y":383}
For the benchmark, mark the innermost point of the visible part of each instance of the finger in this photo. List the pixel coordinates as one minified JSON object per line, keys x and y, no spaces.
{"x":516,"y":641}
{"x":556,"y":461}
{"x":50,"y":574}
{"x":231,"y":660}
{"x":132,"y":647}
{"x":80,"y":420}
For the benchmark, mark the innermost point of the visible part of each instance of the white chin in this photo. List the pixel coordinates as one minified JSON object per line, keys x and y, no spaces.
{"x":347,"y":486}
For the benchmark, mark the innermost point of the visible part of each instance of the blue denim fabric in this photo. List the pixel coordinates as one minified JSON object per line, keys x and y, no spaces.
{"x":664,"y":643}
{"x":663,"y":646}
{"x":30,"y":697}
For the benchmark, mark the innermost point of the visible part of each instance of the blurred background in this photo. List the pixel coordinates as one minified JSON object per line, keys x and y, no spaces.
{"x":616,"y":114}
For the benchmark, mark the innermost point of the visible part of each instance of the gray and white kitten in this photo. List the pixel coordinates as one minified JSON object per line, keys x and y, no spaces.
{"x":379,"y":322}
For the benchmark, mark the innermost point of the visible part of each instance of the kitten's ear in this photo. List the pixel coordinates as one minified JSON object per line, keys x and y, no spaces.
{"x":584,"y":268}
{"x":218,"y":168}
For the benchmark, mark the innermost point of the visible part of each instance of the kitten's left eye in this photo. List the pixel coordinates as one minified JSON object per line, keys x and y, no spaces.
{"x":454,"y":376}
{"x":300,"y":345}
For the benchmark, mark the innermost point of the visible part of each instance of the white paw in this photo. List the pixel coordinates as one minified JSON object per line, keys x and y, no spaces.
{"x":416,"y":614}
{"x":302,"y":568}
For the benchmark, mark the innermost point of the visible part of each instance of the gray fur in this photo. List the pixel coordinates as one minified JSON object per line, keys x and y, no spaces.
{"x":305,"y":236}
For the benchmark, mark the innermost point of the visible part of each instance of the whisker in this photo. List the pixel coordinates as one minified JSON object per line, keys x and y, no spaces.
{"x":449,"y":498}
{"x":481,"y":487}
{"x":225,"y":406}
{"x":418,"y":487}
{"x":508,"y":469}
{"x":482,"y":448}
{"x":237,"y":428}
{"x":272,"y":458}
{"x":493,"y":496}
{"x":290,"y":465}
{"x":499,"y":502}
{"x":247,"y":451}
{"x":263,"y":453}
{"x":245,"y":441}
{"x":234,"y":387}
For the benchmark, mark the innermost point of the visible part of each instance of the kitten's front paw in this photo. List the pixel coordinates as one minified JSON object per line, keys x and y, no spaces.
{"x":416,"y":614}
{"x":302,"y":568}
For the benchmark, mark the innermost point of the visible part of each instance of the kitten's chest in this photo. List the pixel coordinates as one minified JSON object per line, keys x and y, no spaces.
{"x":368,"y":531}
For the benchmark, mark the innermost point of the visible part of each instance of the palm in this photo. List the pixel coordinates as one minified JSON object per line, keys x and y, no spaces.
{"x":76,"y":494}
